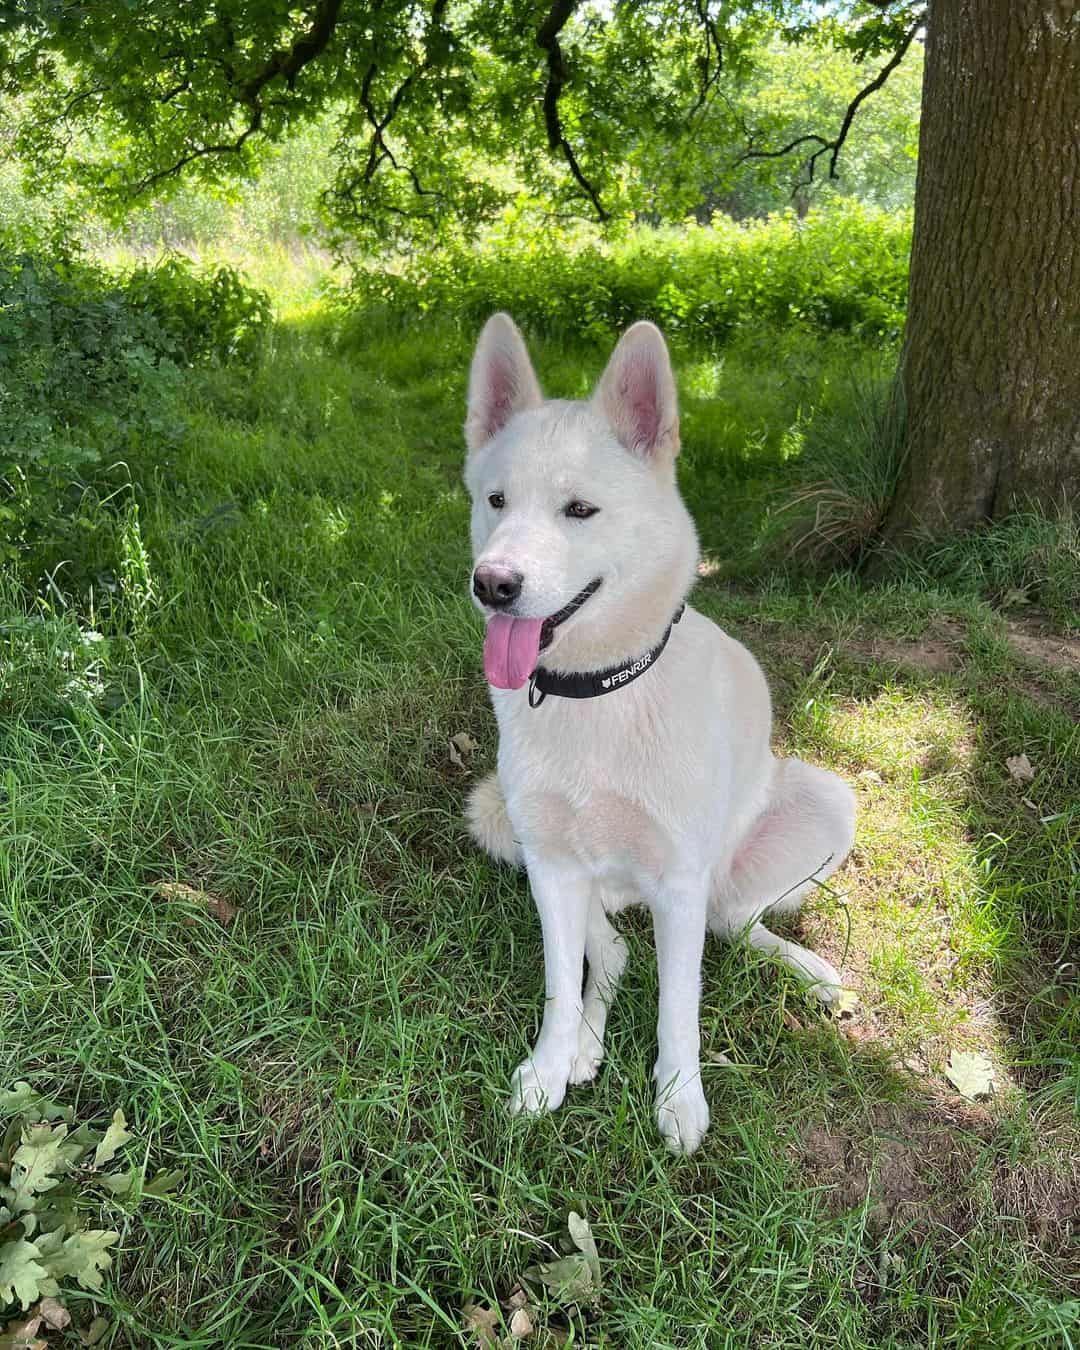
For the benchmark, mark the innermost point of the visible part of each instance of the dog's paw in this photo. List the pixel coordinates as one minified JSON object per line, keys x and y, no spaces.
{"x":534,"y":1089}
{"x":821,"y":978}
{"x":589,"y":1057}
{"x":682,"y":1113}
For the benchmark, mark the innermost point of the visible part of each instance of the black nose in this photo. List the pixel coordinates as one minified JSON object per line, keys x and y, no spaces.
{"x":496,"y":586}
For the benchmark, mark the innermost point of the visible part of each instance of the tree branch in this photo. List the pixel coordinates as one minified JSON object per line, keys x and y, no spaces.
{"x":548,"y":41}
{"x":709,"y":76}
{"x":836,"y":144}
{"x":290,"y":61}
{"x":286,"y":61}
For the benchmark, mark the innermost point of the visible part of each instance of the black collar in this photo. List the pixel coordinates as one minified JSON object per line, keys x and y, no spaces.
{"x":594,"y":683}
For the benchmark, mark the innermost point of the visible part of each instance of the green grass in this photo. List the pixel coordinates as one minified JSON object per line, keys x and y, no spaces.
{"x":287,"y":649}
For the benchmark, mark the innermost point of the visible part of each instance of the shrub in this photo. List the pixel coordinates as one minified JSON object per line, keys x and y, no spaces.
{"x":840,"y":269}
{"x":87,"y":363}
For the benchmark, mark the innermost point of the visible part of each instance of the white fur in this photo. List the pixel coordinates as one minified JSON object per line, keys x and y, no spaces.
{"x":665,"y":793}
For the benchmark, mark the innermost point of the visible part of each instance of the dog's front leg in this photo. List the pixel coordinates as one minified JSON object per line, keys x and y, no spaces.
{"x":561,"y":890}
{"x":679,"y":911}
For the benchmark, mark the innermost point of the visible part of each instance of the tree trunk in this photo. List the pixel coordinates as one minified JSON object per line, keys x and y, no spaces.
{"x":990,"y":372}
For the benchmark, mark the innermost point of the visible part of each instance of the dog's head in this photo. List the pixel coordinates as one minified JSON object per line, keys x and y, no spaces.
{"x":577,"y":525}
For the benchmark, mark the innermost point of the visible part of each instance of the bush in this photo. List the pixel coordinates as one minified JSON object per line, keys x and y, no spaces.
{"x":841,"y":269}
{"x":87,"y":362}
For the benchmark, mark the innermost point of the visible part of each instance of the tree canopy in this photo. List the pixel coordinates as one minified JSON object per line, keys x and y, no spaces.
{"x":441,"y":111}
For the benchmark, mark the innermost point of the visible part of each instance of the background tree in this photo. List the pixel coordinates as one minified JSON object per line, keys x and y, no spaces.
{"x":444,"y":111}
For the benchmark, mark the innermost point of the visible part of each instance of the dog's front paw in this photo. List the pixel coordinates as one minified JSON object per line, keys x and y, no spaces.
{"x":589,"y":1057}
{"x":822,"y":978}
{"x":682,"y":1113}
{"x":536,"y":1088}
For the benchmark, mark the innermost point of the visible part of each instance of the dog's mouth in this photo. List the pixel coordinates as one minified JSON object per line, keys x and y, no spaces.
{"x":547,"y":628}
{"x":512,"y":646}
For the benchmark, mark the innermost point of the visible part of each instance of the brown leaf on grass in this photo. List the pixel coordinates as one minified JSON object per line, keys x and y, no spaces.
{"x":54,"y":1313}
{"x":1019,"y":767}
{"x":521,"y":1324}
{"x":461,"y":744}
{"x":484,"y":1323}
{"x":22,"y":1333}
{"x":214,"y":905}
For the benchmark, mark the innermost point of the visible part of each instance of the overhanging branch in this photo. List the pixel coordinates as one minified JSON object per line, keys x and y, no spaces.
{"x":833,"y":147}
{"x":547,"y":39}
{"x":286,"y":62}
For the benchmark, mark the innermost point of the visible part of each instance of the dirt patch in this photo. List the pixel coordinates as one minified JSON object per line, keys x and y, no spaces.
{"x":933,"y":654}
{"x":940,"y":1170}
{"x":1033,"y":639}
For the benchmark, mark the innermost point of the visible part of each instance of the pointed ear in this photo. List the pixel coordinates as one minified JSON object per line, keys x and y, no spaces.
{"x":501,"y":381}
{"x":636,"y":394}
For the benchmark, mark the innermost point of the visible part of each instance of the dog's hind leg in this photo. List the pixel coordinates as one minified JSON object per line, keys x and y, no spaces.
{"x":605,"y":955}
{"x":488,"y":821}
{"x":800,"y":838}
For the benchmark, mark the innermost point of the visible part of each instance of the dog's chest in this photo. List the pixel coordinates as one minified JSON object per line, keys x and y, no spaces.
{"x":596,"y":779}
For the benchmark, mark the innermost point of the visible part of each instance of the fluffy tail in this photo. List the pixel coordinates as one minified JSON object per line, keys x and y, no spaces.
{"x":489,"y":825}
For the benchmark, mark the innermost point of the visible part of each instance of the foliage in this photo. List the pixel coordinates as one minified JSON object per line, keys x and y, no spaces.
{"x":48,"y":1173}
{"x":1030,"y":560}
{"x":844,"y":465}
{"x":441,"y":108}
{"x":88,"y":362}
{"x":841,"y":269}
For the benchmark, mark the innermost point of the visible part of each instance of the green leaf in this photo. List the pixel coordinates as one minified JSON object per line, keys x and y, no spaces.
{"x":574,"y":1279}
{"x":95,"y":1331}
{"x":24,"y":1102}
{"x":119,"y":1183}
{"x":38,"y":1163}
{"x":116,"y":1136}
{"x":163,"y":1184}
{"x":22,"y":1275}
{"x":83,"y":1255}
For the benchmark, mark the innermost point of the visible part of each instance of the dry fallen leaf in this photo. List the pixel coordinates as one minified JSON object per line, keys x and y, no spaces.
{"x":521,"y":1324}
{"x":1019,"y":767}
{"x":21,"y":1334}
{"x":1015,"y":595}
{"x":461,"y":744}
{"x":54,"y":1313}
{"x":718,"y":1057}
{"x":970,"y":1073}
{"x":871,"y":776}
{"x":845,"y":1004}
{"x":214,"y":905}
{"x":482,"y":1322}
{"x":791,"y":1021}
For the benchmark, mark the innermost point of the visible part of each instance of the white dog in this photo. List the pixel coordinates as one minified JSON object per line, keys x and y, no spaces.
{"x":634,"y":762}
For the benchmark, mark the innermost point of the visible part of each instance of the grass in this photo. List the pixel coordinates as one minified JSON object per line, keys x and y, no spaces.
{"x":286,"y":648}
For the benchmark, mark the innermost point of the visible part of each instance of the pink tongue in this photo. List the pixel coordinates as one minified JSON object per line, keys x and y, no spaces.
{"x":511,"y":650}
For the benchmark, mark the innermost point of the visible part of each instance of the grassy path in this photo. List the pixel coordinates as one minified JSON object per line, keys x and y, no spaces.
{"x":267,"y":720}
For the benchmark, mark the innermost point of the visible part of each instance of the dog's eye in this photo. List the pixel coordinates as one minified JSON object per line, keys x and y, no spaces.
{"x":580,"y":510}
{"x":497,"y":500}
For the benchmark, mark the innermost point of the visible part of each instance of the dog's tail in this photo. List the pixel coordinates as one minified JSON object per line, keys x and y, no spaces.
{"x":489,"y":825}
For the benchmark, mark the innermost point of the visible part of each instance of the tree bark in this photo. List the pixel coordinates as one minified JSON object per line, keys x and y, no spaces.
{"x":990,"y":371}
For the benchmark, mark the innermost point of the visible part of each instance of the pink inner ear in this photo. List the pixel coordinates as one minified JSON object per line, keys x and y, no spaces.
{"x":502,"y":392}
{"x":639,"y":393}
